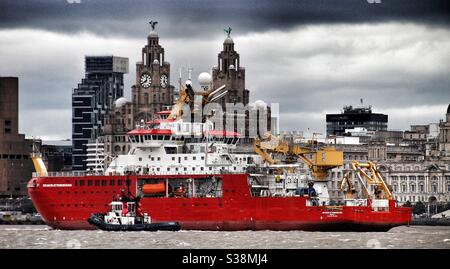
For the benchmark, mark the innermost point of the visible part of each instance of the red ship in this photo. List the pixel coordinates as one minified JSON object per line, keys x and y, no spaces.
{"x":67,"y":203}
{"x":189,"y":173}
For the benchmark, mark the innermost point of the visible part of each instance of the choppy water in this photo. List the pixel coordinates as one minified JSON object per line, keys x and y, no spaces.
{"x":399,"y":237}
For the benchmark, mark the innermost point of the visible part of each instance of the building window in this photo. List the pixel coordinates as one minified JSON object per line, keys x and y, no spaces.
{"x":421,"y":188}
{"x":7,"y":126}
{"x":413,"y":188}
{"x":404,"y":188}
{"x":112,"y":182}
{"x":90,"y":182}
{"x":434,"y":188}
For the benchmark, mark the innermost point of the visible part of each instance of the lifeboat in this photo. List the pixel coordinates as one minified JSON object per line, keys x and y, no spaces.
{"x":154,"y":188}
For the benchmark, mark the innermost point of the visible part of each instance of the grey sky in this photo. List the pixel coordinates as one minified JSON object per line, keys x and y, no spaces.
{"x":312,"y":57}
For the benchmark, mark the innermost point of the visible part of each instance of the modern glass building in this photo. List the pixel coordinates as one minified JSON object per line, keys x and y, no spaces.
{"x":92,"y":99}
{"x":353,"y":117}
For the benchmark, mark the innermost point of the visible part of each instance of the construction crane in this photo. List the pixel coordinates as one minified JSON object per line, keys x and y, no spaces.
{"x":368,"y":174}
{"x":187,"y":97}
{"x":321,"y":161}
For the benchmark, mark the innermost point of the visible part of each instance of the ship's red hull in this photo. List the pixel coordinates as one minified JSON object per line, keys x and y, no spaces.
{"x":66,"y":206}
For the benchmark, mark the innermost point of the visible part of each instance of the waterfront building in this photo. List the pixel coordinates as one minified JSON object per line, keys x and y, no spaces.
{"x":57,"y":154}
{"x":417,"y":167}
{"x":353,"y":117}
{"x":229,"y":72}
{"x":444,"y":136}
{"x":16,"y":166}
{"x":92,"y":100}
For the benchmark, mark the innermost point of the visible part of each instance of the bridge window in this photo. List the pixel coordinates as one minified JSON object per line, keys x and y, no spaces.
{"x":90,"y":182}
{"x":112,"y":182}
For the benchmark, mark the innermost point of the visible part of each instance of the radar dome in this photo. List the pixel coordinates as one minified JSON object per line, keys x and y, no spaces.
{"x":120,"y":102}
{"x":188,"y":82}
{"x":204,"y":78}
{"x":156,"y":61}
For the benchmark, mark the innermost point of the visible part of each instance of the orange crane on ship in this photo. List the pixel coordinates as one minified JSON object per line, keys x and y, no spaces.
{"x":368,"y":174}
{"x":319,"y":160}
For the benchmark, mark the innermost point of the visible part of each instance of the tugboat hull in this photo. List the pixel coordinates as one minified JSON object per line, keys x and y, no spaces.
{"x":97,"y":220}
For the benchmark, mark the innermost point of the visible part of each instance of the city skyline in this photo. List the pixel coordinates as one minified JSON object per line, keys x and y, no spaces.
{"x":392,"y":57}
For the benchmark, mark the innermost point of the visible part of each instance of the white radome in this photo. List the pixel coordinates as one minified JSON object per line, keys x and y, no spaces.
{"x":188,"y":82}
{"x":120,"y":102}
{"x":204,"y":78}
{"x":231,"y":67}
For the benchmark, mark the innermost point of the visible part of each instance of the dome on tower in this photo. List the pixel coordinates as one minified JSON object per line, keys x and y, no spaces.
{"x":120,"y":101}
{"x":228,"y":40}
{"x":204,"y":78}
{"x":153,"y":33}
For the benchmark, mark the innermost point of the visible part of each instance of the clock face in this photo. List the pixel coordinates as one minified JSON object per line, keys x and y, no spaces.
{"x":164,"y":80}
{"x":146,"y":80}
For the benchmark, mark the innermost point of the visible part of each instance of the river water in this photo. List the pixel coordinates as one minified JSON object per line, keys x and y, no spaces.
{"x":36,"y":236}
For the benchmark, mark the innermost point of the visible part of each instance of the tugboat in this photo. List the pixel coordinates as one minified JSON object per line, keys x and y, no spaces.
{"x":127,"y":215}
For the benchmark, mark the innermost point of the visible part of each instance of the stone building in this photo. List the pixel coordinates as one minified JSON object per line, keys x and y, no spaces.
{"x":229,"y":72}
{"x":16,"y":166}
{"x":151,"y":93}
{"x":248,"y":120}
{"x":444,"y":136}
{"x":414,"y":172}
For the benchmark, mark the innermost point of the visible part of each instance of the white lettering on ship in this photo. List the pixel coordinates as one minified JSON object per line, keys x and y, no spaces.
{"x":56,"y":185}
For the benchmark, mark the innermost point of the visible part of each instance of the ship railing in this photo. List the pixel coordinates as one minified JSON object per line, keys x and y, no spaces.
{"x":169,"y":173}
{"x":83,"y":173}
{"x":60,"y":174}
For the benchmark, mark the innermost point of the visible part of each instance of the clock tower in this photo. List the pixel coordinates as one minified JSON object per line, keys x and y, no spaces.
{"x":152,"y":91}
{"x":230,"y":72}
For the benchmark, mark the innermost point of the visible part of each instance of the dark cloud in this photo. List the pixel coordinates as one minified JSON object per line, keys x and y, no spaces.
{"x":312,"y":57}
{"x":198,"y":17}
